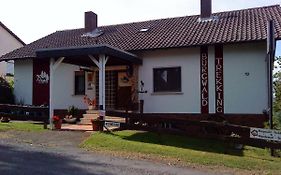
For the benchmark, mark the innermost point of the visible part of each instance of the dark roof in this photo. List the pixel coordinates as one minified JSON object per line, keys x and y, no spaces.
{"x":230,"y":27}
{"x":89,"y":50}
{"x":14,"y":35}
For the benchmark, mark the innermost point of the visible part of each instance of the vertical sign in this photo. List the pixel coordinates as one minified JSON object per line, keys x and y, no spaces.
{"x":41,"y":77}
{"x":219,"y":79}
{"x":204,"y":79}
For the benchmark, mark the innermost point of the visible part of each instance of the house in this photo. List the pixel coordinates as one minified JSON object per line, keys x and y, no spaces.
{"x":192,"y":65}
{"x":8,"y":42}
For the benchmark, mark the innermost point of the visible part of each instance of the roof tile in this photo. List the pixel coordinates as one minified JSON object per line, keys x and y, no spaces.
{"x":230,"y":27}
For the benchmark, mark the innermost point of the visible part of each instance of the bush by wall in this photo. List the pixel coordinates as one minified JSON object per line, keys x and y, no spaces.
{"x":6,"y":92}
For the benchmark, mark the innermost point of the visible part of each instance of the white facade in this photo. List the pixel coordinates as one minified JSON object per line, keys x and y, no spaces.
{"x":63,"y":95}
{"x":7,"y":44}
{"x":245,"y":81}
{"x":23,"y":81}
{"x":187,"y":101}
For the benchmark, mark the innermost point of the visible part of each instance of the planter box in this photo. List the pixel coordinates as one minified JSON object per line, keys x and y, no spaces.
{"x":97,"y":125}
{"x":57,"y":125}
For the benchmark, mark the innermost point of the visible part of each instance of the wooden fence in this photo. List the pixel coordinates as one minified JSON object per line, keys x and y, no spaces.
{"x":19,"y":112}
{"x":212,"y":126}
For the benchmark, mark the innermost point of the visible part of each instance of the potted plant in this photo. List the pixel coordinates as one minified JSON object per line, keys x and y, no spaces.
{"x":57,"y":122}
{"x":71,"y":118}
{"x":90,"y":102}
{"x":5,"y":119}
{"x":97,"y":124}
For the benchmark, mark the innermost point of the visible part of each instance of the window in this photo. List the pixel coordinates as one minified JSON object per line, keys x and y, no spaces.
{"x":79,"y":83}
{"x":167,"y":79}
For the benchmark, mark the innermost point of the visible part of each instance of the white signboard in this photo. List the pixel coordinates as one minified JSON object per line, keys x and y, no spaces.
{"x":112,"y":124}
{"x":102,"y":113}
{"x":42,"y":78}
{"x":265,"y":134}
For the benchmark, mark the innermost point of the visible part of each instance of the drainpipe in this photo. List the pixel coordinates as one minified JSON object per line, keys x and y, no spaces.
{"x":270,"y":55}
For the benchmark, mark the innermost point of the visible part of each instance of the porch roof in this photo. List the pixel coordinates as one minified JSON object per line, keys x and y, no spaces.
{"x":80,"y":55}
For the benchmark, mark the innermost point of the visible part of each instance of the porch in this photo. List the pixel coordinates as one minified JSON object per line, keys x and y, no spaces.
{"x":111,"y":75}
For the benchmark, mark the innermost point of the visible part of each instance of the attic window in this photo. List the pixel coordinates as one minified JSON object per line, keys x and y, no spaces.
{"x":144,"y":29}
{"x":212,"y":18}
{"x":95,"y":33}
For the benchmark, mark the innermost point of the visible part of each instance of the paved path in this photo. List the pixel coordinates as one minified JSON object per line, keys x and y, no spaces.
{"x":57,"y":153}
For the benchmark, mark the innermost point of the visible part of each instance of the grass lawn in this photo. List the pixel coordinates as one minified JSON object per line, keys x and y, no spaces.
{"x":20,"y":126}
{"x":184,"y":149}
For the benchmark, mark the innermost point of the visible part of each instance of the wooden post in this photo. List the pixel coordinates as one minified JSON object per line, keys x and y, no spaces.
{"x":51,"y":111}
{"x":53,"y":66}
{"x":101,"y":65}
{"x":141,"y":106}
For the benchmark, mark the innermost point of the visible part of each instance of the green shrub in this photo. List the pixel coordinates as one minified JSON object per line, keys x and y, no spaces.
{"x":6,"y":92}
{"x":277,"y":120}
{"x":72,"y":110}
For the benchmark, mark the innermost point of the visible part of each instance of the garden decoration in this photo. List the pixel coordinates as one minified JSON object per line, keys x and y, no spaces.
{"x":90,"y":102}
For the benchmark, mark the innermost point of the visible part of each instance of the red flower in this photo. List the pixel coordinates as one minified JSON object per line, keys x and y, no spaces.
{"x":56,"y":118}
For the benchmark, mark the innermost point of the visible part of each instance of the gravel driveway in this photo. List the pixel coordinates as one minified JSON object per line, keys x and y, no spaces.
{"x":57,"y":153}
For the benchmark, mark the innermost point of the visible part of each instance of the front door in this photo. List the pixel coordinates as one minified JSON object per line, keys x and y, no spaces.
{"x":124,"y":95}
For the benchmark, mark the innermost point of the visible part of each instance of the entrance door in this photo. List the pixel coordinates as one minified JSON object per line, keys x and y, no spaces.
{"x":41,"y":78}
{"x":124,"y":96}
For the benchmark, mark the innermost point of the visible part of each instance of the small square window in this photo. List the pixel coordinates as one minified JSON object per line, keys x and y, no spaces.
{"x":79,"y":83}
{"x":167,"y":79}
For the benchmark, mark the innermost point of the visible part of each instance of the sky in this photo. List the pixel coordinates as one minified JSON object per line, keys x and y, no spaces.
{"x":34,"y":19}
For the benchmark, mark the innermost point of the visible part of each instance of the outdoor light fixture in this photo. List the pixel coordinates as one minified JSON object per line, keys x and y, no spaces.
{"x":142,"y":91}
{"x":130,"y":71}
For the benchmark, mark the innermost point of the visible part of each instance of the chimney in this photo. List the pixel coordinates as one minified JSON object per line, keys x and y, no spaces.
{"x":91,"y":21}
{"x":206,"y":9}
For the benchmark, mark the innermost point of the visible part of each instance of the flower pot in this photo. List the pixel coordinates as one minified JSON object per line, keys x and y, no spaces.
{"x":97,"y":125}
{"x":70,"y":120}
{"x":58,"y":124}
{"x":91,"y":107}
{"x":5,"y":119}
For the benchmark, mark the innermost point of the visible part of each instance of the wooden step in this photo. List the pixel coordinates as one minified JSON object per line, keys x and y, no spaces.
{"x":87,"y":118}
{"x":92,"y":112}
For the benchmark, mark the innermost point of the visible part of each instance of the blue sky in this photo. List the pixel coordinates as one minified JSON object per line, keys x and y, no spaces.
{"x":33,"y":19}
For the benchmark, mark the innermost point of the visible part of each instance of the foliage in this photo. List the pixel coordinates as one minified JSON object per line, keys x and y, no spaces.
{"x":11,"y":82}
{"x":72,"y":110}
{"x":277,"y":94}
{"x":56,"y":119}
{"x":6,"y":96}
{"x":184,"y":150}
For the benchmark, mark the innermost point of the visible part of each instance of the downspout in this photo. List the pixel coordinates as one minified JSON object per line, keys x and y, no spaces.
{"x":271,"y":43}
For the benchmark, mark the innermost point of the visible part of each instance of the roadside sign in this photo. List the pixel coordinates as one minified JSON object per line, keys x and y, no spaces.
{"x":265,"y":134}
{"x":112,"y":124}
{"x":102,"y":113}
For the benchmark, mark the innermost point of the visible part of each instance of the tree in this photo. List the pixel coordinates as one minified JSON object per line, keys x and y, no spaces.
{"x":277,"y":93}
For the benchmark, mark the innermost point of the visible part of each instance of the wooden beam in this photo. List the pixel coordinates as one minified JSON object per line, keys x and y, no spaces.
{"x":94,"y":60}
{"x":53,"y":66}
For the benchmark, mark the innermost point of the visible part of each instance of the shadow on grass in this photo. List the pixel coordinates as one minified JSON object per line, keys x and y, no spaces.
{"x":206,"y":145}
